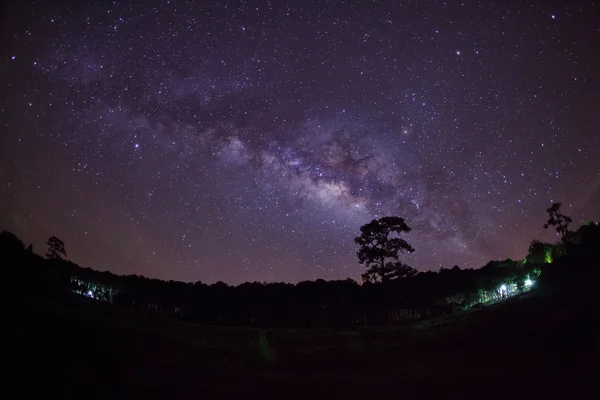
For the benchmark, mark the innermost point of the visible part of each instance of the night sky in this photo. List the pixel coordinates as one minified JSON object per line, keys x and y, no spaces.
{"x":243,"y":141}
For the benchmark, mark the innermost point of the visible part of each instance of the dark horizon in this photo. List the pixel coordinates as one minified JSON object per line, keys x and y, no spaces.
{"x":229,"y":142}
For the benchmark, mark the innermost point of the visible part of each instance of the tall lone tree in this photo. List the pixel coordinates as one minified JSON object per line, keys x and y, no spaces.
{"x":379,"y":249}
{"x":56,"y":248}
{"x":558,"y":221}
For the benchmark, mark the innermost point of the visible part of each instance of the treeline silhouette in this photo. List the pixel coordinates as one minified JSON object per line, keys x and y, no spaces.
{"x":319,"y":303}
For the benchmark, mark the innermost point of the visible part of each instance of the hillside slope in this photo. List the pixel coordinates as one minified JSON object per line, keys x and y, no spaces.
{"x":66,"y":345}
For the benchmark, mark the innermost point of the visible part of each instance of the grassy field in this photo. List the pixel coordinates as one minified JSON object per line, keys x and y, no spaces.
{"x":61,"y":344}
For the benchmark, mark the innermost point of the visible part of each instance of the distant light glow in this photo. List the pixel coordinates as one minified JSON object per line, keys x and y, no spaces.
{"x":548,"y":256}
{"x":528,"y":282}
{"x":90,"y":294}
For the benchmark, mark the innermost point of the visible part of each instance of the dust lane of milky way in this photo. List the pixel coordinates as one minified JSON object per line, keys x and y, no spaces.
{"x":243,"y":141}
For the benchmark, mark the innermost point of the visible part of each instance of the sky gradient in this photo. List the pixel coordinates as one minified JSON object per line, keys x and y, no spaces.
{"x":243,"y":141}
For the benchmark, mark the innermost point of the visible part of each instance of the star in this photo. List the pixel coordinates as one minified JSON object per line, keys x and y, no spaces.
{"x":265,"y":136}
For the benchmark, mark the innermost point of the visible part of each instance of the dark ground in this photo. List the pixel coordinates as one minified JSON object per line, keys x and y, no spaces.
{"x":60,"y":345}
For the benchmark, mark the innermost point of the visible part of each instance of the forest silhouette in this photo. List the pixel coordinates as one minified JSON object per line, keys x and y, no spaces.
{"x":528,"y":326}
{"x":392,"y":292}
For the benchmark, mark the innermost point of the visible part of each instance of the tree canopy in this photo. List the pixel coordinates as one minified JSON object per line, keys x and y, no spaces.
{"x":56,"y":248}
{"x":558,"y":220}
{"x":379,"y":249}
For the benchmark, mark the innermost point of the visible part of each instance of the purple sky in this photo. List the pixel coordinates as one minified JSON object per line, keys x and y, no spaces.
{"x":242,"y":141}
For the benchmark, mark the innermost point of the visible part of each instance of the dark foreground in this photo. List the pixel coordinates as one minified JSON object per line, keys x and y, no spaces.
{"x":61,"y":345}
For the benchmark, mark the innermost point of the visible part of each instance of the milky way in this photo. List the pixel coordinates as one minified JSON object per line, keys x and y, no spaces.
{"x":244,"y":141}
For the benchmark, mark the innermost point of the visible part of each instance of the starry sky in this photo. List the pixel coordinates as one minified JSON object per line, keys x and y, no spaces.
{"x":249,"y":140}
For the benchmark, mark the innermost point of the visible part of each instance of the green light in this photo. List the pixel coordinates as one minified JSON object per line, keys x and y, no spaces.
{"x":548,"y":257}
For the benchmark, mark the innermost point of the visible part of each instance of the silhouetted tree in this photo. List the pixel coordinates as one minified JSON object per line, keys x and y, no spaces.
{"x":56,"y":248}
{"x":558,"y":221}
{"x":378,"y":249}
{"x":319,"y":303}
